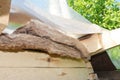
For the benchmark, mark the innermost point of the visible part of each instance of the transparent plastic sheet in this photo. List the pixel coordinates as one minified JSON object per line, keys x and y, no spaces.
{"x":57,"y":14}
{"x":115,"y":56}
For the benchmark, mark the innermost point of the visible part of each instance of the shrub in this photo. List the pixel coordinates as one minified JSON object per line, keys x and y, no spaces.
{"x":105,"y":13}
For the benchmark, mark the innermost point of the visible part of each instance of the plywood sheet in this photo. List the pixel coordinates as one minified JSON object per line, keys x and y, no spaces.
{"x":36,"y":59}
{"x":32,"y":65}
{"x":44,"y":73}
{"x":92,"y":43}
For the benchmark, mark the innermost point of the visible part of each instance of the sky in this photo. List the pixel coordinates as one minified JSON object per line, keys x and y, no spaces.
{"x":118,"y":0}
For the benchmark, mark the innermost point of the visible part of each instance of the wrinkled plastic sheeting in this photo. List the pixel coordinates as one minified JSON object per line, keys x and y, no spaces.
{"x":114,"y":56}
{"x":57,"y":14}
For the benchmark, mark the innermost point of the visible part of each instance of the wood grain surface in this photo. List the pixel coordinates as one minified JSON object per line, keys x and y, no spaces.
{"x":4,"y":13}
{"x":32,"y":65}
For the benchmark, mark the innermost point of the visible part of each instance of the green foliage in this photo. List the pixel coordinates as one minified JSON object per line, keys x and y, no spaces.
{"x":105,"y":13}
{"x":114,"y":53}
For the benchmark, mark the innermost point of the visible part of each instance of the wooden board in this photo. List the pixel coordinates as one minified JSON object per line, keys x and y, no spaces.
{"x":92,"y":43}
{"x":44,"y":74}
{"x":97,"y":43}
{"x":19,"y":18}
{"x":4,"y":13}
{"x":30,"y":65}
{"x":36,"y":59}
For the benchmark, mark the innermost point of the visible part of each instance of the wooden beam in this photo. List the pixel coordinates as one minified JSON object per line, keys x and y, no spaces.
{"x":29,"y":65}
{"x":19,"y":18}
{"x":109,"y":39}
{"x":92,"y":43}
{"x":97,"y":43}
{"x":44,"y":74}
{"x":4,"y":13}
{"x":37,"y":59}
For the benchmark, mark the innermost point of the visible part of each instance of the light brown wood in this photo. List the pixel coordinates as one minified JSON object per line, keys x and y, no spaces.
{"x":36,"y":59}
{"x":98,"y":43}
{"x":44,"y":74}
{"x":32,"y":65}
{"x":109,"y":39}
{"x":92,"y":43}
{"x":4,"y":13}
{"x":19,"y":18}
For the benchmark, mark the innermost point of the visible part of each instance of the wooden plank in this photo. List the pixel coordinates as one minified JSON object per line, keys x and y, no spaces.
{"x":44,"y":73}
{"x":109,"y":39}
{"x":92,"y":43}
{"x":16,"y":18}
{"x":4,"y":13}
{"x":30,"y":65}
{"x":97,"y":43}
{"x":36,"y":59}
